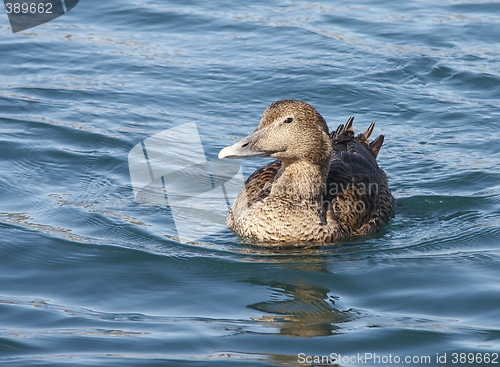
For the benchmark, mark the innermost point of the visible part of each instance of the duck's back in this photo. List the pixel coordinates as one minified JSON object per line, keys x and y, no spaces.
{"x":356,"y":187}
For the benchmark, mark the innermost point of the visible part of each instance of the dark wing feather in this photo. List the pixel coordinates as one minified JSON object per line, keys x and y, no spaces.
{"x":258,"y":184}
{"x":257,"y":187}
{"x":356,"y":188}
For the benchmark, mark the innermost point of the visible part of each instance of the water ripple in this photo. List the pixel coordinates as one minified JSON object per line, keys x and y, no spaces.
{"x":86,"y":268}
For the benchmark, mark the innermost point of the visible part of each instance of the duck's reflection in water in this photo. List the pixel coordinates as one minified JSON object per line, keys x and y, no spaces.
{"x":303,"y":310}
{"x":300,"y":308}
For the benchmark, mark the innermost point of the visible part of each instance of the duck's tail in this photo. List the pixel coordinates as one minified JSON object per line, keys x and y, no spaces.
{"x":345,"y":133}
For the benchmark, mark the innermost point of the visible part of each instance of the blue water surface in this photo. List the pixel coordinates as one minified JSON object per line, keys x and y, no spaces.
{"x":90,"y":277}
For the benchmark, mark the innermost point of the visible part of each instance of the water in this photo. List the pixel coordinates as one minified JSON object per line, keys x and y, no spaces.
{"x":89,"y":277}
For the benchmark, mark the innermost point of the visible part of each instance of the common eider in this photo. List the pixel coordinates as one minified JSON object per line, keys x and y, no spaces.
{"x":322,"y":187}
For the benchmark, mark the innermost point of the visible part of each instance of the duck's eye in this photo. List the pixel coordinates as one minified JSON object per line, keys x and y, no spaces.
{"x":288,"y":120}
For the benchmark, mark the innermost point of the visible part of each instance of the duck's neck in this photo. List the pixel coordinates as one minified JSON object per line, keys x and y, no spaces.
{"x":299,"y":180}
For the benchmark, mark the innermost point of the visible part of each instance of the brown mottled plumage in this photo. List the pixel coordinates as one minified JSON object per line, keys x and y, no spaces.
{"x":322,"y":187}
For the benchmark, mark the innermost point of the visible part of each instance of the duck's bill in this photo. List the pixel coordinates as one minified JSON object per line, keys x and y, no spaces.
{"x":243,"y":149}
{"x":237,"y":151}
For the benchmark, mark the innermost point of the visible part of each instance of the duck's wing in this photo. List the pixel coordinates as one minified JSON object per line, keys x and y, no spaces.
{"x":258,"y":184}
{"x":356,"y":188}
{"x":257,"y":187}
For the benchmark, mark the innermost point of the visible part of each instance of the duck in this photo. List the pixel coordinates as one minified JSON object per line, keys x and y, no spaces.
{"x":322,"y":187}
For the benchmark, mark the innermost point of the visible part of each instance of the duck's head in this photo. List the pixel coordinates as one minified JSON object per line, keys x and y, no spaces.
{"x":289,"y":131}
